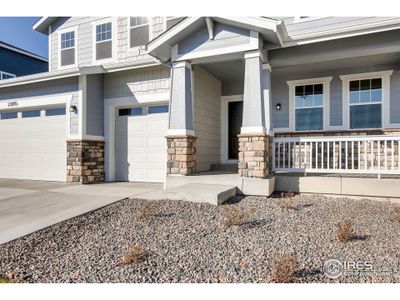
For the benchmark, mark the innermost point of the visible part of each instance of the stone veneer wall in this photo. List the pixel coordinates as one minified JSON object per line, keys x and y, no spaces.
{"x":181,"y":155}
{"x":85,"y":162}
{"x":253,"y":155}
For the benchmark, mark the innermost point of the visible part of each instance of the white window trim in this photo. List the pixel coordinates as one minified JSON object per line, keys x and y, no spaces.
{"x":325,"y":81}
{"x":60,"y":32}
{"x":6,"y":73}
{"x":385,"y":76}
{"x":114,"y":39}
{"x":129,"y":33}
{"x":225,"y":100}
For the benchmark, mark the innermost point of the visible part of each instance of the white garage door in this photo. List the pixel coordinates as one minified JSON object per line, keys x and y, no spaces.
{"x":33,"y":144}
{"x":140,"y":144}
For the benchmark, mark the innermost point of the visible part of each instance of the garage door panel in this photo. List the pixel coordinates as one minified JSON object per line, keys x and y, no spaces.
{"x":143,"y":140}
{"x":33,"y":148}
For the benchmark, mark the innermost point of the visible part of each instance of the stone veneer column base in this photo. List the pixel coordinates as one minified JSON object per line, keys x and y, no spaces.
{"x":85,"y":162}
{"x":253,"y":155}
{"x":181,"y":155}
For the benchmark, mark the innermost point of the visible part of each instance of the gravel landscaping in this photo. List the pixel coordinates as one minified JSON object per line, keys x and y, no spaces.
{"x":191,"y":242}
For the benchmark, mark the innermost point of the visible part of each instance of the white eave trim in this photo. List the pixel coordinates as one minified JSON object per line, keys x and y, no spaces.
{"x":350,"y":31}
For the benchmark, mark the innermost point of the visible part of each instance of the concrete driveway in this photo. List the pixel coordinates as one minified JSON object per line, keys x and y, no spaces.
{"x":27,"y":206}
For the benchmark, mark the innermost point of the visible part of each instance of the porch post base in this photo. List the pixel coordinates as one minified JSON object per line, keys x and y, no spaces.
{"x":85,"y":161}
{"x":253,"y":155}
{"x":181,"y":158}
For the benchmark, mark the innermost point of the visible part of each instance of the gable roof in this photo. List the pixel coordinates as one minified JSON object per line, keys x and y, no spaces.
{"x":271,"y":30}
{"x":43,"y":24}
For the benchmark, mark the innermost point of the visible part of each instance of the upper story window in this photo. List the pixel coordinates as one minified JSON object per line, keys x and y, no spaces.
{"x":67,"y":48}
{"x":103,"y":45}
{"x":365,"y":100}
{"x":6,"y":75}
{"x":139,"y":31}
{"x":309,"y":107}
{"x":172,"y":21}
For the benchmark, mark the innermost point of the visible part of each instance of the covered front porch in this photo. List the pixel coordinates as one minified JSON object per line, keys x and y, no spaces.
{"x":256,"y":115}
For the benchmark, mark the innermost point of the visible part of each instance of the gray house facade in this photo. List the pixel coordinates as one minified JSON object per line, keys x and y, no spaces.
{"x":262,"y":103}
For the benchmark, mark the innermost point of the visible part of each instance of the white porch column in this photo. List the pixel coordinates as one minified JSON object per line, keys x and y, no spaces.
{"x":253,"y":96}
{"x":181,"y":106}
{"x":181,"y":141}
{"x":266,"y":86}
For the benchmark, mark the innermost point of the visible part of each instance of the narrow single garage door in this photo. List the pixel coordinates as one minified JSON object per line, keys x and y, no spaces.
{"x":140,"y":144}
{"x":33,"y":144}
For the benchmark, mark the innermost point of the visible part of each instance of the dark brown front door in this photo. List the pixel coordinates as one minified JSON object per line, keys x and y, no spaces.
{"x":235,"y":111}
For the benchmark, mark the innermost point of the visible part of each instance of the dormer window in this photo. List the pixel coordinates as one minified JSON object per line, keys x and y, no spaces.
{"x":103,"y":41}
{"x":68,"y":47}
{"x":139,"y":31}
{"x":172,"y":21}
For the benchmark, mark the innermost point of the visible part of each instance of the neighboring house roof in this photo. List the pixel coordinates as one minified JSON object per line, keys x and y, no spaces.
{"x":270,"y":30}
{"x":22,"y":51}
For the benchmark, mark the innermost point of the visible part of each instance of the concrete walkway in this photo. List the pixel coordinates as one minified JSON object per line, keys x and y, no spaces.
{"x":27,"y":206}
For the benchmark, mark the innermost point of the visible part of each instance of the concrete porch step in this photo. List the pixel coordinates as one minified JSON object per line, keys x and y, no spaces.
{"x":194,"y":192}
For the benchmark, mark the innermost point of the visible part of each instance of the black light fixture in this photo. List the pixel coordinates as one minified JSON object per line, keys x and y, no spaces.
{"x":278,"y":106}
{"x":73,"y":108}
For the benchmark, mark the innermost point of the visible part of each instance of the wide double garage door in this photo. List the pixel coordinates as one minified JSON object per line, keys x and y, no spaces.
{"x":140,"y":144}
{"x":33,"y":144}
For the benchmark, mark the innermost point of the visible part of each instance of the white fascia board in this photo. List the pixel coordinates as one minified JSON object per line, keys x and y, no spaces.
{"x":343,"y":32}
{"x":39,"y":77}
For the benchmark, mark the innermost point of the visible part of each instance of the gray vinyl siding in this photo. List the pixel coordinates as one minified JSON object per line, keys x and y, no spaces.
{"x":95,"y":105}
{"x":155,"y":80}
{"x":280,"y":91}
{"x":207,"y":118}
{"x":52,"y":87}
{"x":224,"y":36}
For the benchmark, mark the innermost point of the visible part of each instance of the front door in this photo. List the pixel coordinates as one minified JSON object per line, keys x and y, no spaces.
{"x":235,"y":112}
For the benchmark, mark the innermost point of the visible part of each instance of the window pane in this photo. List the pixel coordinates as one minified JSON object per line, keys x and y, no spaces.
{"x":318,"y":89}
{"x":365,"y":96}
{"x":9,"y":115}
{"x":136,"y":111}
{"x":124,"y":112}
{"x":376,"y":95}
{"x":133,"y":21}
{"x":354,"y":97}
{"x":309,"y":119}
{"x":308,"y":100}
{"x":365,"y":116}
{"x":308,"y":90}
{"x":365,"y":84}
{"x":299,"y":101}
{"x":158,"y":109}
{"x":376,"y":83}
{"x":318,"y":100}
{"x":55,"y":112}
{"x":31,"y":113}
{"x":300,"y":90}
{"x":354,"y":85}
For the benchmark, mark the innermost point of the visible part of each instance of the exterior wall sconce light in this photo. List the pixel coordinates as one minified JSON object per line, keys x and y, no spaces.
{"x":278,"y":106}
{"x":73,"y":109}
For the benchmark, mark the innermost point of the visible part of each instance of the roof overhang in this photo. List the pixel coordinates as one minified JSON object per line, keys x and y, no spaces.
{"x":270,"y":30}
{"x":43,"y":24}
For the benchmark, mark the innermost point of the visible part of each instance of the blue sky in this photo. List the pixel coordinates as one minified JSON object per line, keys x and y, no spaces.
{"x":18,"y":32}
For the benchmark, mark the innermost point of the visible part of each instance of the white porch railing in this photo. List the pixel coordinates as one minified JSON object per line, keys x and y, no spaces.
{"x":358,"y":154}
